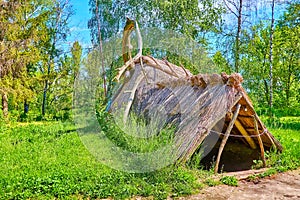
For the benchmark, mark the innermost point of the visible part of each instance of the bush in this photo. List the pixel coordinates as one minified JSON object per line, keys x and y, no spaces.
{"x":229,"y":180}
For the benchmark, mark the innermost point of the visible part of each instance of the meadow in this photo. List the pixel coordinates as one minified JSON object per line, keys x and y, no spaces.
{"x":46,"y":160}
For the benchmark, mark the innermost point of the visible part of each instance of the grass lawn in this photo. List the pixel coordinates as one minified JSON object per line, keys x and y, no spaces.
{"x":48,"y":160}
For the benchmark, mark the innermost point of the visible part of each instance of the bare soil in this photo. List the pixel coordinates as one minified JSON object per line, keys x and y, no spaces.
{"x":280,"y":186}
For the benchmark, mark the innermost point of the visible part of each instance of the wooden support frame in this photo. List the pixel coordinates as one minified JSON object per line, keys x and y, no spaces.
{"x":131,"y":97}
{"x":225,"y":138}
{"x":154,"y":63}
{"x":243,"y":131}
{"x":131,"y":61}
{"x":259,"y":121}
{"x":186,"y":156}
{"x":275,"y":144}
{"x":261,"y":145}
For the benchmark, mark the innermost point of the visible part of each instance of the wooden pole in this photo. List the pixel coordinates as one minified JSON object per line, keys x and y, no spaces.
{"x":225,"y":138}
{"x":261,"y":145}
{"x":131,"y":98}
{"x":186,"y":155}
{"x":270,"y":138}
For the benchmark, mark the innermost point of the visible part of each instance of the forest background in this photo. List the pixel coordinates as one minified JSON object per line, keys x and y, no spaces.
{"x":258,"y":39}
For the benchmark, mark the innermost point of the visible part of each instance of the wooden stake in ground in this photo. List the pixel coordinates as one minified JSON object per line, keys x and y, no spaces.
{"x":261,"y":145}
{"x":225,"y":138}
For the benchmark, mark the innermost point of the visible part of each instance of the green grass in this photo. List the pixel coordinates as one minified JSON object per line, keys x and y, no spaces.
{"x":229,"y":180}
{"x":290,"y":157}
{"x":48,"y":160}
{"x":287,"y":131}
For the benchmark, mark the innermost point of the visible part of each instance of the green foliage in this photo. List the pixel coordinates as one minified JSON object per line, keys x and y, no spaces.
{"x":289,"y":159}
{"x":138,"y":136}
{"x":229,"y":180}
{"x":221,"y":62}
{"x":22,"y":30}
{"x":196,"y":18}
{"x":286,"y":130}
{"x":255,"y":59}
{"x":267,"y":173}
{"x":211,"y":182}
{"x":31,"y":56}
{"x":62,"y":88}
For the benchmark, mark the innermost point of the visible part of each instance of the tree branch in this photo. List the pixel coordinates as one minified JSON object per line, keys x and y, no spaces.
{"x":229,"y":8}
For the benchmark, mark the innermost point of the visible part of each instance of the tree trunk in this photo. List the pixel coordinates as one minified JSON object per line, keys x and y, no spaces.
{"x":101,"y":50}
{"x":266,"y":91}
{"x":44,"y":98}
{"x":48,"y":74}
{"x":288,"y":87}
{"x":5,"y":105}
{"x":271,"y":57}
{"x":26,"y":107}
{"x":238,"y":38}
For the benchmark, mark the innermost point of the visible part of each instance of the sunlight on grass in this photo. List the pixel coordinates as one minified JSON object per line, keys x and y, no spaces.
{"x":49,"y":160}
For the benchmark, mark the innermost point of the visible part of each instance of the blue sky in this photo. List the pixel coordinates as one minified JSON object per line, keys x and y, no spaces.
{"x":81,"y":33}
{"x":78,"y":23}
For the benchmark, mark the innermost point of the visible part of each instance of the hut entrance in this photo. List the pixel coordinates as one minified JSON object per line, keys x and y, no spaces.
{"x":236,"y":156}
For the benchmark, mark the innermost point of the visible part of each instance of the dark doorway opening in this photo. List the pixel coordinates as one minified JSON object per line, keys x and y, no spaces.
{"x":236,"y":156}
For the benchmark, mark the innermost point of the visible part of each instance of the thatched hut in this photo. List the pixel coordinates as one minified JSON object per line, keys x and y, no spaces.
{"x":198,"y":105}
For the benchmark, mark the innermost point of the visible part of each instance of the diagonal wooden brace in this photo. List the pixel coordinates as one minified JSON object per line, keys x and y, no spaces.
{"x":225,"y":138}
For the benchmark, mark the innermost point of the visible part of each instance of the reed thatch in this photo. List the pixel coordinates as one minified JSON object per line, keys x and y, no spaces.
{"x":195,"y":104}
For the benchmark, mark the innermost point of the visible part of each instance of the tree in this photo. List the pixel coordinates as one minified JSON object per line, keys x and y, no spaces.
{"x":255,"y":63}
{"x":286,"y":53}
{"x":62,"y":87}
{"x":57,"y":31}
{"x":76,"y":52}
{"x":101,"y":47}
{"x":271,"y":55}
{"x":285,"y":60}
{"x":238,"y":14}
{"x":22,"y":26}
{"x":197,"y":20}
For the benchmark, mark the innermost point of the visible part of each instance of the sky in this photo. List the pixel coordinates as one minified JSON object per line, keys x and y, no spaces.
{"x":78,"y":23}
{"x":81,"y":33}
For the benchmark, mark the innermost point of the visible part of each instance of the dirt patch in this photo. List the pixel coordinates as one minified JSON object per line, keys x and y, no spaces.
{"x":280,"y":186}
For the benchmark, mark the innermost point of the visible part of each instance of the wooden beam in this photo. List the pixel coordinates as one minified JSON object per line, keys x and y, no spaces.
{"x":246,"y":116}
{"x":261,"y":124}
{"x":242,"y":130}
{"x":274,"y":142}
{"x":225,"y":138}
{"x":261,"y":145}
{"x":131,"y":97}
